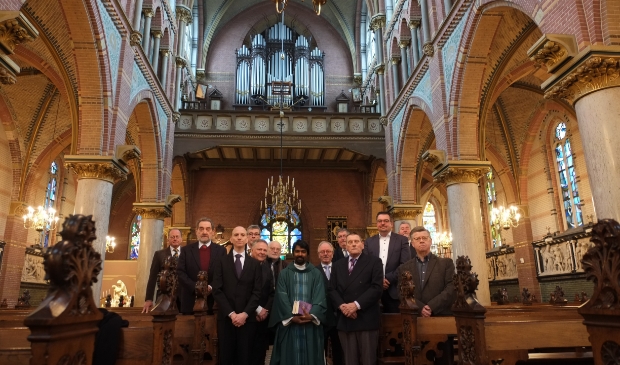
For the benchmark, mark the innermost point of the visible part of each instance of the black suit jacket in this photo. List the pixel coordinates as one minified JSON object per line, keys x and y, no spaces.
{"x":398,"y":254}
{"x":364,"y":285}
{"x":187,"y":270}
{"x":438,"y":290}
{"x":267,"y":290}
{"x":330,"y":312}
{"x":237,"y":295}
{"x":338,"y":254}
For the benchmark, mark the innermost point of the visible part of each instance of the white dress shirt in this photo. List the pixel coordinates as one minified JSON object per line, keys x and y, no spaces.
{"x":384,"y":246}
{"x":172,"y":251}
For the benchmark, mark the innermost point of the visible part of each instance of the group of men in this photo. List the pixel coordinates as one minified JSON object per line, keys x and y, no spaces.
{"x":339,"y":301}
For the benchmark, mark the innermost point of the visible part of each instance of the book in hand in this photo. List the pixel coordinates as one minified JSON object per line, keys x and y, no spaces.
{"x":299,"y":307}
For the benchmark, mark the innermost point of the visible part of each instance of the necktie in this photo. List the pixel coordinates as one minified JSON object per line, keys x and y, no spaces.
{"x":327,"y":273}
{"x":238,"y":265}
{"x":205,"y":257}
{"x":176,"y":253}
{"x":345,"y":252}
{"x":351,"y":265}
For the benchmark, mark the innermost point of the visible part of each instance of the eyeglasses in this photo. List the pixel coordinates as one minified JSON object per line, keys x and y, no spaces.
{"x":383,"y":221}
{"x":423,"y":238}
{"x":325,"y":252}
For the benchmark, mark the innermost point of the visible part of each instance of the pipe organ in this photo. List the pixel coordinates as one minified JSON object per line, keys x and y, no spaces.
{"x":280,"y":54}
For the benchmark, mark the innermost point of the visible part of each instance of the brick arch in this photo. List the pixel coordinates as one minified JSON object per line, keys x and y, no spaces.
{"x":404,"y":31}
{"x":377,"y":187}
{"x":469,"y":80}
{"x":505,"y":176}
{"x":179,"y":186}
{"x":145,"y":121}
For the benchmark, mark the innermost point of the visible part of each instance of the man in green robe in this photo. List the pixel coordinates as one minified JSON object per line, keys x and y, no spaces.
{"x":299,"y":338}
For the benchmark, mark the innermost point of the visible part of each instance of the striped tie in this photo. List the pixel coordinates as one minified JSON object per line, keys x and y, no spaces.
{"x":176,"y":253}
{"x":351,"y":265}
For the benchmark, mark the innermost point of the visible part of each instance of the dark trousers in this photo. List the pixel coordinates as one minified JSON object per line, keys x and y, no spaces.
{"x":260,"y":343}
{"x":337,"y":354}
{"x":390,"y":305}
{"x":235,"y":342}
{"x":360,"y":347}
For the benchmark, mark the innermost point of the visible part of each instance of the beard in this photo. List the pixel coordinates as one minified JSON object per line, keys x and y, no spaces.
{"x":300,"y":260}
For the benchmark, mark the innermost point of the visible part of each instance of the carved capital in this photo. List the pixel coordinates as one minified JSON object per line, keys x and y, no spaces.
{"x":156,"y":33}
{"x":401,"y":212}
{"x":458,"y":172}
{"x":428,"y":49}
{"x":383,"y":121}
{"x":165,"y":52}
{"x":200,"y":73}
{"x":404,"y":42}
{"x":184,"y":14}
{"x":180,"y":61}
{"x":14,"y":32}
{"x":435,"y":158}
{"x":380,"y":69}
{"x":552,"y":50}
{"x":357,"y":78}
{"x":415,"y":23}
{"x":152,"y":210}
{"x":125,"y":153}
{"x":377,"y":22}
{"x":176,"y":116}
{"x":372,"y":231}
{"x":135,"y":39}
{"x":591,"y":74}
{"x":96,"y":167}
{"x":395,"y":60}
{"x":148,"y":12}
{"x":7,"y":76}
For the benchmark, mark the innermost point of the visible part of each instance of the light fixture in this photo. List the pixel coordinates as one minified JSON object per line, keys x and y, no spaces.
{"x":41,"y":220}
{"x":316,"y":4}
{"x":505,"y":218}
{"x":444,"y":244}
{"x":110,"y":244}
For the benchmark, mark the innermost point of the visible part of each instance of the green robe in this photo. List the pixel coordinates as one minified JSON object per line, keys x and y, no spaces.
{"x":298,"y":344}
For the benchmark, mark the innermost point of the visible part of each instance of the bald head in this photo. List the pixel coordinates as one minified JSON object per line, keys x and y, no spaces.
{"x":239,"y":239}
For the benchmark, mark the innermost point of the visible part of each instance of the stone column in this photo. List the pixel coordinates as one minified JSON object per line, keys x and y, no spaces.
{"x":155,"y":51}
{"x":428,"y":48}
{"x":395,"y":76}
{"x":406,"y":213}
{"x":137,"y":16}
{"x":461,"y":178}
{"x":96,"y":176}
{"x":164,"y":67}
{"x":376,"y":24}
{"x":181,"y":63}
{"x":380,"y":70}
{"x":414,"y":25}
{"x":404,"y":62}
{"x":151,"y":240}
{"x":184,"y":15}
{"x":447,"y":4}
{"x":146,"y":39}
{"x":589,"y":84}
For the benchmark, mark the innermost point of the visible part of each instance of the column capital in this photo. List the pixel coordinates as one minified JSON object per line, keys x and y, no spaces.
{"x":377,"y":22}
{"x":181,"y":62}
{"x":372,"y":231}
{"x":156,"y":33}
{"x":380,"y":69}
{"x":106,"y":168}
{"x":395,"y":60}
{"x":148,"y":12}
{"x":135,"y":39}
{"x":404,"y":42}
{"x":402,"y":212}
{"x":594,"y":69}
{"x":200,"y":73}
{"x":176,"y":116}
{"x":428,"y":49}
{"x":7,"y":74}
{"x":357,"y":78}
{"x":16,"y":31}
{"x":415,"y":23}
{"x":165,"y":52}
{"x":461,"y":171}
{"x":552,"y":50}
{"x":157,"y":210}
{"x":184,"y":14}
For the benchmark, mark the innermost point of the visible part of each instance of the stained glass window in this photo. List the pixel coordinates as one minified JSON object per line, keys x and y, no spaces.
{"x":285,"y":232}
{"x":50,"y":198}
{"x":496,"y":236}
{"x":567,"y":178}
{"x":134,"y":237}
{"x":429,"y":221}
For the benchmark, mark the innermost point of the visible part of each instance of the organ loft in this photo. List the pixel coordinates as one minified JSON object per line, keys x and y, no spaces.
{"x":490,"y":123}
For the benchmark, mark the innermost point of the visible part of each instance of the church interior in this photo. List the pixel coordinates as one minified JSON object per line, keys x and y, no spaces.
{"x":488,"y":122}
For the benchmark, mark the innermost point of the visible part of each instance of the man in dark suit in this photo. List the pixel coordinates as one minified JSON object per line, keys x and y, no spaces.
{"x":265,"y":303}
{"x":237,"y":283}
{"x":393,"y":250}
{"x":355,"y":287}
{"x":340,"y":252}
{"x":404,"y":229}
{"x":276,"y":264}
{"x":195,"y":257}
{"x":326,"y":253}
{"x":173,"y":249}
{"x":432,"y":276}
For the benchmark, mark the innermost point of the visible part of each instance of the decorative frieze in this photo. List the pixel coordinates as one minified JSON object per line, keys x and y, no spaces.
{"x":33,"y":270}
{"x":502,"y":264}
{"x":562,"y":254}
{"x":105,"y":168}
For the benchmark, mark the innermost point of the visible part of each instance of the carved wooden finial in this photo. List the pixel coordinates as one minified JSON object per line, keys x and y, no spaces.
{"x":167,"y":282}
{"x":202,"y":291}
{"x":406,"y":288}
{"x":601,"y":264}
{"x":526,"y":297}
{"x":466,"y":283}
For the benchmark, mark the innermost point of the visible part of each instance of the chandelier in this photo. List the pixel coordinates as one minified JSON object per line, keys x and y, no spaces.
{"x":284,"y":199}
{"x":444,"y":244}
{"x":505,"y":217}
{"x":110,"y":244}
{"x":316,"y":4}
{"x":41,"y":219}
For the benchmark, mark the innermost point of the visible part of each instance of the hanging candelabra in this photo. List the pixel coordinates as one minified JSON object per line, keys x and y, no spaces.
{"x":444,"y":243}
{"x":316,"y":5}
{"x":40,"y":220}
{"x":110,"y":244}
{"x":505,"y":218}
{"x":284,"y":199}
